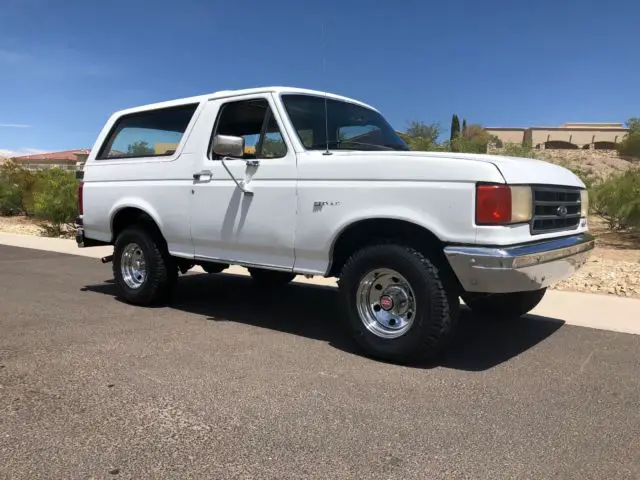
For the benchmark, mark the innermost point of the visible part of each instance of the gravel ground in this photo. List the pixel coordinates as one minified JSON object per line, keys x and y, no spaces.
{"x":605,"y":275}
{"x":614,"y":267}
{"x":19,"y":225}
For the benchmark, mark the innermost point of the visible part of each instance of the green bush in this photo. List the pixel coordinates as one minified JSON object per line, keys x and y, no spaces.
{"x":518,"y":150}
{"x":630,"y":146}
{"x":55,"y":199}
{"x":617,"y":200}
{"x":24,"y":181}
{"x":469,"y":145}
{"x":10,"y":202}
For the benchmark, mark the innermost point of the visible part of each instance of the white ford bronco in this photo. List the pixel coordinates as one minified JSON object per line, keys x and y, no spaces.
{"x":287,"y":182}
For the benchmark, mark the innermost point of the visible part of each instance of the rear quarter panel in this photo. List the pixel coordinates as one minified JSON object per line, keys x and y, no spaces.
{"x":159,"y":186}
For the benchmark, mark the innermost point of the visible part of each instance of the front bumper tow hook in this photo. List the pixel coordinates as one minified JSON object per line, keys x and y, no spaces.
{"x":107,"y":259}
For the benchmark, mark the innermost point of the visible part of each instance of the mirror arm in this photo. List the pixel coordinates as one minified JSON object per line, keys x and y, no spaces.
{"x":241,"y":185}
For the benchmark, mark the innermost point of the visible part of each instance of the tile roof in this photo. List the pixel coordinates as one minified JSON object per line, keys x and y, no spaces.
{"x":53,"y":156}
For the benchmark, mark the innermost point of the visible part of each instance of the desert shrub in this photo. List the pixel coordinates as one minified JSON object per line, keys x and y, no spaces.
{"x":22,"y":180}
{"x":10,"y":203}
{"x":469,"y":145}
{"x":518,"y":150}
{"x":55,"y":200}
{"x":630,"y":146}
{"x":617,"y":200}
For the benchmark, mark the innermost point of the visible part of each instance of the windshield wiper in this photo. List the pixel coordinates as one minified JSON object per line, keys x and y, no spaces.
{"x":342,"y":143}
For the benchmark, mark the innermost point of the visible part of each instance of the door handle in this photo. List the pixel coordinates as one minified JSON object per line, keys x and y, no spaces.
{"x":198,"y":176}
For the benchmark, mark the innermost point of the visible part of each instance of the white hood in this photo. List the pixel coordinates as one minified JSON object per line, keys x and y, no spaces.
{"x":528,"y":170}
{"x":442,"y":166}
{"x":517,"y":169}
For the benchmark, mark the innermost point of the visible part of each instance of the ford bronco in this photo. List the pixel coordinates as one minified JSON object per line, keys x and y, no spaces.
{"x":287,"y":181}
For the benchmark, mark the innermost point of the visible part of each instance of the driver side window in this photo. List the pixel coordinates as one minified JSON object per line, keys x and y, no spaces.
{"x":252,"y":120}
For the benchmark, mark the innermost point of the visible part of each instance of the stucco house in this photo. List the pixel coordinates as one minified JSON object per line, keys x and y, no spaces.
{"x":67,"y":160}
{"x":587,"y":136}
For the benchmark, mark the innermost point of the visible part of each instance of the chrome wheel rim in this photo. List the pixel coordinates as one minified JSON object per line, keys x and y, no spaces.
{"x":386,"y":303}
{"x":133,"y":266}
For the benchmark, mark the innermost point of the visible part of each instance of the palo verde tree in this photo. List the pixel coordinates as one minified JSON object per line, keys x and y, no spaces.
{"x":422,"y":136}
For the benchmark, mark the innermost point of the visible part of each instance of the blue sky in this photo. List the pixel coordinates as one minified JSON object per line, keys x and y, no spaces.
{"x":65,"y":66}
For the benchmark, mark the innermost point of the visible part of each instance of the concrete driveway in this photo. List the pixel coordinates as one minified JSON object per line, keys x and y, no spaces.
{"x":231,"y":382}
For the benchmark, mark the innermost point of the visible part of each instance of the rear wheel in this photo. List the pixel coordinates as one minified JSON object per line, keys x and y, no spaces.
{"x":501,"y":306}
{"x":397,"y":304}
{"x":270,"y":278}
{"x":143,"y":270}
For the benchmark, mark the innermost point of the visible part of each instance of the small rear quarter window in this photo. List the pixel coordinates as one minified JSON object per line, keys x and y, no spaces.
{"x":152,"y":133}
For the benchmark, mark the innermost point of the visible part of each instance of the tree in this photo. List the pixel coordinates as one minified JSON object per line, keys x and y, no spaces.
{"x":464,"y":126}
{"x":475,"y":139}
{"x":140,"y":149}
{"x":633,"y":124}
{"x":421,"y":136}
{"x":419,"y":129}
{"x":455,"y":127}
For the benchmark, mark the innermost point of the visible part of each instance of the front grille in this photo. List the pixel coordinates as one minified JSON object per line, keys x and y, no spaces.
{"x":555,"y":209}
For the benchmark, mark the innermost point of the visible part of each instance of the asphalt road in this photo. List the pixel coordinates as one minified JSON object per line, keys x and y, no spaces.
{"x":231,"y":382}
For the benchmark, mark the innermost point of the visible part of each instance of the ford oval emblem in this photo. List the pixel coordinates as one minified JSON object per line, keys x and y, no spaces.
{"x":562,"y":211}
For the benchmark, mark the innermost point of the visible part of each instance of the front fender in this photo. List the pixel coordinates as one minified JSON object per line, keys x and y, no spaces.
{"x":420,"y":219}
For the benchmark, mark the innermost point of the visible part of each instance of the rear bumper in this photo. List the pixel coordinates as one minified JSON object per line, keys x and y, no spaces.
{"x":79,"y":231}
{"x":81,"y":238}
{"x":519,"y":268}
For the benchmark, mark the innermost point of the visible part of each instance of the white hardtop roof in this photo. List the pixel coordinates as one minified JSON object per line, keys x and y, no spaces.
{"x":233,"y":93}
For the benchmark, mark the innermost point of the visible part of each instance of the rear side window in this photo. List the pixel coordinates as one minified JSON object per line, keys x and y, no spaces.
{"x":154,"y":133}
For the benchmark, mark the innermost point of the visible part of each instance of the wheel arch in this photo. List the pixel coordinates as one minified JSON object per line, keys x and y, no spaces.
{"x":367,"y":231}
{"x":131,"y":214}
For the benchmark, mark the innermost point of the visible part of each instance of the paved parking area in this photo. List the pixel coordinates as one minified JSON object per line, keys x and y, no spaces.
{"x":231,"y":382}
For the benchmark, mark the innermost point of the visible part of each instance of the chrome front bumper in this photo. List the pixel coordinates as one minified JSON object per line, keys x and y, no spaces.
{"x":518,"y":268}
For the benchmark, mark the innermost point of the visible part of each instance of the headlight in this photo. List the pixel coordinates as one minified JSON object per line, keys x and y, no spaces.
{"x":584,"y":203}
{"x":521,"y":204}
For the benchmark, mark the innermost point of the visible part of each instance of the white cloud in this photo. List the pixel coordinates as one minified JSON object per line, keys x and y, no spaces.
{"x":20,"y":152}
{"x":14,"y":125}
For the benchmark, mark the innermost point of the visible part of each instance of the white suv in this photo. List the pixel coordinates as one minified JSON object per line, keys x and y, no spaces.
{"x":287,"y":181}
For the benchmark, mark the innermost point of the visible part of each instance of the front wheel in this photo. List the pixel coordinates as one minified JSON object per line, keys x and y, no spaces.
{"x":502,"y":306}
{"x":397,"y":304}
{"x":144,"y":272}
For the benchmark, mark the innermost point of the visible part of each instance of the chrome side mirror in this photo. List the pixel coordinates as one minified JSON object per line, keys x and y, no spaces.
{"x":228,"y":146}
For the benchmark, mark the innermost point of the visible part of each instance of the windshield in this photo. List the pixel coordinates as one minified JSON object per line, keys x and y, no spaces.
{"x":350,"y":126}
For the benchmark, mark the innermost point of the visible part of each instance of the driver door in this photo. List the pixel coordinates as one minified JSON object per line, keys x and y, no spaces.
{"x":227,"y":224}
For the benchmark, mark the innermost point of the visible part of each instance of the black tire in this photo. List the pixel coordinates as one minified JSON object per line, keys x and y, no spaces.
{"x":162,"y":272}
{"x":270,"y":278}
{"x":503,"y":306}
{"x":436,"y":311}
